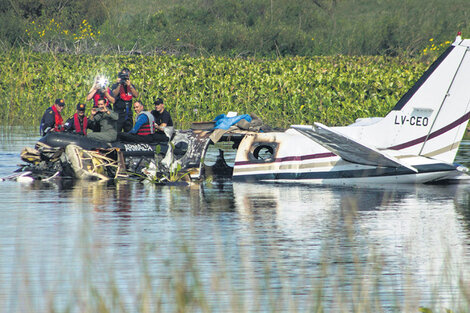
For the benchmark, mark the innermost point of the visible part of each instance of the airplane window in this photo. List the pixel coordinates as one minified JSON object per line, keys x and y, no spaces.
{"x":263,"y":152}
{"x":180,"y":149}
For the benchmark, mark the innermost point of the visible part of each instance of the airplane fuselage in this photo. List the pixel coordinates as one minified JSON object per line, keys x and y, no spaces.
{"x":292,"y":157}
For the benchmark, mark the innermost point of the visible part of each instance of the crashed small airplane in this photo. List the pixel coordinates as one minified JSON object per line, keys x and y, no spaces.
{"x":416,"y":142}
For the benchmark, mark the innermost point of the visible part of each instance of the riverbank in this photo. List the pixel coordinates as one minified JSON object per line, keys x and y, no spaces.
{"x":256,"y":28}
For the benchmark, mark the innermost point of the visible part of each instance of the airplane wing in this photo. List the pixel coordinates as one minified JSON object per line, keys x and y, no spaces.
{"x":347,"y":148}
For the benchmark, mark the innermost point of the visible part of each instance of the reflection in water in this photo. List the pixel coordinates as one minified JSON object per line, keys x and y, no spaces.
{"x":230,"y":246}
{"x":406,"y":241}
{"x":463,"y":208}
{"x":391,"y":246}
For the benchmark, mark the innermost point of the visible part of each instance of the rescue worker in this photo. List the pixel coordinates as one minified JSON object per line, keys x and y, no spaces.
{"x":144,"y":126}
{"x":52,"y":120}
{"x":100,"y":90}
{"x":162,"y":120}
{"x":123,"y":92}
{"x":78,"y":123}
{"x":106,"y":119}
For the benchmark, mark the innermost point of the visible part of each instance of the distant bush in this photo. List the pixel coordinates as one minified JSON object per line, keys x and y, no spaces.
{"x":259,"y":28}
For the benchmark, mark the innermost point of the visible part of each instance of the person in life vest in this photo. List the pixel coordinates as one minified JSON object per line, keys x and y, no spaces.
{"x":123,"y":92}
{"x":144,"y":127}
{"x":162,"y":120}
{"x":52,"y":120}
{"x":106,"y":119}
{"x":100,"y":90}
{"x":78,"y":122}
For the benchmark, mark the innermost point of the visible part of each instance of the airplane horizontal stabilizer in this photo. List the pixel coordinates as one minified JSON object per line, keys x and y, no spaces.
{"x":349,"y":149}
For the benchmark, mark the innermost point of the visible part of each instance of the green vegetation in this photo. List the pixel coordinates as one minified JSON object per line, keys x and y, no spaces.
{"x":207,"y":57}
{"x":290,"y":90}
{"x":231,"y":27}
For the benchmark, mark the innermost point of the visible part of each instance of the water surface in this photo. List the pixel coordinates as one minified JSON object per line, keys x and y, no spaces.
{"x":223,"y":246}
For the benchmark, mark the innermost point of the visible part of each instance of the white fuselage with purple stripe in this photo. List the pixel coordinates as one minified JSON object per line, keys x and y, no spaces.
{"x":416,"y":142}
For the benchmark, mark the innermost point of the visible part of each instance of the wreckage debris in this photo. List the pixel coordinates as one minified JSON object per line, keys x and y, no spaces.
{"x":45,"y":163}
{"x":181,"y":159}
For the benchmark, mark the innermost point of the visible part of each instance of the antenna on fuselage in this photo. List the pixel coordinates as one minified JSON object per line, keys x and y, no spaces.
{"x":458,"y":38}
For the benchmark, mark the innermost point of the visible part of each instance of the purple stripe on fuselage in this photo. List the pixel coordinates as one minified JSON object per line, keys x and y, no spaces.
{"x":397,"y":147}
{"x":432,"y":135}
{"x":292,"y":158}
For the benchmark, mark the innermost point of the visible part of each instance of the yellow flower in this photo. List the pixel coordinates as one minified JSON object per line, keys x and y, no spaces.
{"x":178,"y":39}
{"x":432,"y":39}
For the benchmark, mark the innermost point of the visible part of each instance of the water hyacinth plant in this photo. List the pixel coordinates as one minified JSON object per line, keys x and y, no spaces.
{"x":293,"y":90}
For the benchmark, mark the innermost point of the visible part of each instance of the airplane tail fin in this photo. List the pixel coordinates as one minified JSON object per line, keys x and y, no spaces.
{"x":431,"y":118}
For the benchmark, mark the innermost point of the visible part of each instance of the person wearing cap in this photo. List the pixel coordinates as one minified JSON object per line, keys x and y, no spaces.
{"x":52,"y":120}
{"x":162,"y":120}
{"x":123,"y":92}
{"x":100,"y":91}
{"x":105,"y":119}
{"x":78,"y":122}
{"x":144,"y":126}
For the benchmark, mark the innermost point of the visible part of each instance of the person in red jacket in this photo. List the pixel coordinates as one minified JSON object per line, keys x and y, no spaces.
{"x":52,"y":120}
{"x":78,"y":122}
{"x":100,"y":90}
{"x":124,"y":92}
